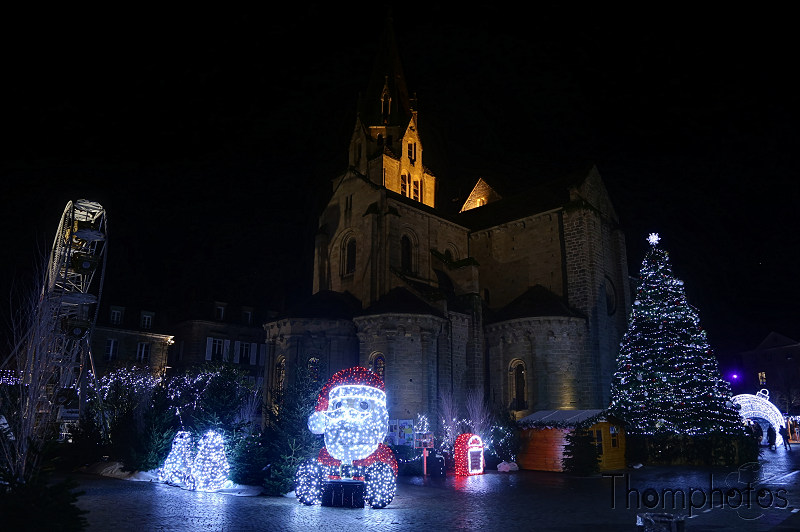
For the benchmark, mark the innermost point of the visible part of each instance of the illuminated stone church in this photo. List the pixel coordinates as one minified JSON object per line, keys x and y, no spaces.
{"x":522,"y":294}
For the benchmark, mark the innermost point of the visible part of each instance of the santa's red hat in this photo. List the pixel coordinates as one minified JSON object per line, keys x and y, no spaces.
{"x":350,"y":376}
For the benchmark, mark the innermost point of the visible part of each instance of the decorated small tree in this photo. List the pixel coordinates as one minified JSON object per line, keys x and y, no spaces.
{"x":667,"y":378}
{"x":179,"y":461}
{"x":581,"y":454}
{"x":210,"y":466}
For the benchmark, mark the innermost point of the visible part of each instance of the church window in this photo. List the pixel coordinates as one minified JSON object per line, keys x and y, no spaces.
{"x":412,"y":152}
{"x":416,"y":190}
{"x":405,"y":254}
{"x":378,"y":365}
{"x":386,"y":101}
{"x":611,"y":297}
{"x":404,"y":185}
{"x":350,"y":257}
{"x":517,"y":378}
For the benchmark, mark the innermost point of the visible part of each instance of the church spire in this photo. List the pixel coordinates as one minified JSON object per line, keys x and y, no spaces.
{"x":386,"y":101}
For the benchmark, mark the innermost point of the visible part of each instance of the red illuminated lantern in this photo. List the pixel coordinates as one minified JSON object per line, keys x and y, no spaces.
{"x":469,"y":455}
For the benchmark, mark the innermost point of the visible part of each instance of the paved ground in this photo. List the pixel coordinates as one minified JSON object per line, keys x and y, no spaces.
{"x":525,"y":500}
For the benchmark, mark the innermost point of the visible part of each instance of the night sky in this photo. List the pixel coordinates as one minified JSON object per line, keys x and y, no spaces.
{"x":211,"y":138}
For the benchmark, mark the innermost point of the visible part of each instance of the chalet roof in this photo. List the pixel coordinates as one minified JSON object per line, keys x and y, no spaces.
{"x":401,"y":301}
{"x":559,"y":417}
{"x":327,"y":304}
{"x":536,"y":301}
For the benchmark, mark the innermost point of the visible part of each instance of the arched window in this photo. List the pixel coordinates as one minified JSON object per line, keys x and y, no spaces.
{"x":611,"y":297}
{"x":517,"y":385}
{"x":378,"y":364}
{"x":349,"y":262}
{"x":406,"y":263}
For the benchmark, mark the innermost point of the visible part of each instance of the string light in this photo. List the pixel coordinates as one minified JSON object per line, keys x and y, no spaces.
{"x":468,"y":452}
{"x":667,"y":378}
{"x":351,"y":413}
{"x":179,"y":461}
{"x":210,"y":468}
{"x":759,"y":406}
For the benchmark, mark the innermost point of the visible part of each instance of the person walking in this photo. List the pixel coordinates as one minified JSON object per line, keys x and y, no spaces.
{"x":771,"y":438}
{"x":785,"y":435}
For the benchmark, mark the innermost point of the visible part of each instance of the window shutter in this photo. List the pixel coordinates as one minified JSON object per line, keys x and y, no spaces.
{"x":253,"y":348}
{"x":209,"y":342}
{"x":262,"y":354}
{"x":226,"y":348}
{"x":236,"y":345}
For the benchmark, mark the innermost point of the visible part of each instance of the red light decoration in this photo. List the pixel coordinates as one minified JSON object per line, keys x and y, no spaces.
{"x":355,"y":375}
{"x":468,"y":452}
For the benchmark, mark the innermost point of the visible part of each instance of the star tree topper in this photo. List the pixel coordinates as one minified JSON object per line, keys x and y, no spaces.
{"x":654,"y":239}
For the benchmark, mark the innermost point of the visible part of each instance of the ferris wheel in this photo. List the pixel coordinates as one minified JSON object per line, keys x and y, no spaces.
{"x":72,"y":289}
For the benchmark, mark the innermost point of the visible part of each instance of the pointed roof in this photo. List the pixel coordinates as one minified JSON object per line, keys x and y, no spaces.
{"x":536,"y":301}
{"x":775,"y":341}
{"x":387,"y":74}
{"x":550,"y":194}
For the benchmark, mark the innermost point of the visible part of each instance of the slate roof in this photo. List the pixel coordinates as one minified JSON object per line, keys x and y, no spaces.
{"x":402,"y":301}
{"x":534,"y":302}
{"x":327,"y":304}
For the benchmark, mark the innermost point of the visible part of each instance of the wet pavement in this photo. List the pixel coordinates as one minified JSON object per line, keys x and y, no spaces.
{"x":758,"y":497}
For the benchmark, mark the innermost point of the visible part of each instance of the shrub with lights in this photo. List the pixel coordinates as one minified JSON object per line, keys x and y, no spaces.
{"x":178,"y":464}
{"x":351,"y":413}
{"x":209,"y":470}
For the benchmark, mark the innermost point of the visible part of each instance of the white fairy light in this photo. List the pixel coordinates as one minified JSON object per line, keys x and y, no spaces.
{"x":351,"y":413}
{"x":179,"y":461}
{"x":759,"y":406}
{"x":210,"y":467}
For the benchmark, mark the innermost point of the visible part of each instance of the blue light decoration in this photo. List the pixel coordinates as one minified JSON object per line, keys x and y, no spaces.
{"x":178,"y":464}
{"x":759,"y":406}
{"x":210,"y":468}
{"x":351,"y":413}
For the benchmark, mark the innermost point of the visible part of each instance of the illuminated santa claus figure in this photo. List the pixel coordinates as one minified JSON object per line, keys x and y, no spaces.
{"x":351,"y":413}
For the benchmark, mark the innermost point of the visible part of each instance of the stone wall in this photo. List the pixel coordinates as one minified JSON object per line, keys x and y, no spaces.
{"x":517,"y":255}
{"x":553,"y":352}
{"x":412,"y":346}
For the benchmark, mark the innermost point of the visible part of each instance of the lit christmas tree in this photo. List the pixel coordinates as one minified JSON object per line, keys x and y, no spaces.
{"x":210,"y":467}
{"x":667,"y":379}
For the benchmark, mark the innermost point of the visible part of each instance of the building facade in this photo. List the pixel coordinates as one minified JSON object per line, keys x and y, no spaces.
{"x":215,"y":332}
{"x":522,"y":295}
{"x":126,"y":336}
